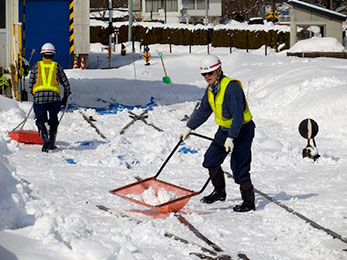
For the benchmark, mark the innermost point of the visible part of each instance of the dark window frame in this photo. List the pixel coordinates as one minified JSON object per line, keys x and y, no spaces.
{"x":2,"y":14}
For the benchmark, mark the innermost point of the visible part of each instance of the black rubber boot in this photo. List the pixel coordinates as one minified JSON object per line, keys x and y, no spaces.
{"x":52,"y":137}
{"x":218,"y":182}
{"x":216,"y":195}
{"x":247,"y":194}
{"x":44,"y":136}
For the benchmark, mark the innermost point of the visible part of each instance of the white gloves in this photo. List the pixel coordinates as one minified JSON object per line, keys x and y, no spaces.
{"x":185,"y":133}
{"x":229,"y":145}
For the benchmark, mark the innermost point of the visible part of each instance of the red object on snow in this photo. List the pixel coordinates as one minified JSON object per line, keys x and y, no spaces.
{"x":83,"y":66}
{"x":75,"y":65}
{"x":140,"y":186}
{"x":26,"y":136}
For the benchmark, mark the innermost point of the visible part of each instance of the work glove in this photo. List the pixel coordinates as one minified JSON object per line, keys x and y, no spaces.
{"x":185,"y":133}
{"x":64,"y":101}
{"x":229,"y":144}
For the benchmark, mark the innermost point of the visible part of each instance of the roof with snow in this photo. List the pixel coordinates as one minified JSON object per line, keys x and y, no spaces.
{"x":317,"y":9}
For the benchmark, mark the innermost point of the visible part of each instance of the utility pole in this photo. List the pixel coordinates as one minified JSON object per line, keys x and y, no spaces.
{"x":130,"y":20}
{"x":165,"y":11}
{"x":206,"y":12}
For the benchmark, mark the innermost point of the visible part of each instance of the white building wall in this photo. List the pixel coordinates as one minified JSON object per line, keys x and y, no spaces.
{"x":215,"y":10}
{"x":7,"y":43}
{"x":333,"y":28}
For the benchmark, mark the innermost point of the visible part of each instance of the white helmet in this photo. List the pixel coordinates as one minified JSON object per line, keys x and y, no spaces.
{"x":209,"y":63}
{"x":48,"y":48}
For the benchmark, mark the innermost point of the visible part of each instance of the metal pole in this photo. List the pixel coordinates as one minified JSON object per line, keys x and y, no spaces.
{"x":273,"y":10}
{"x":165,"y":10}
{"x":330,"y":4}
{"x":130,"y":20}
{"x":110,"y":9}
{"x":206,"y":12}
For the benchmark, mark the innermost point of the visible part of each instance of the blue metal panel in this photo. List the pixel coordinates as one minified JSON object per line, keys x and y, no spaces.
{"x":46,"y":21}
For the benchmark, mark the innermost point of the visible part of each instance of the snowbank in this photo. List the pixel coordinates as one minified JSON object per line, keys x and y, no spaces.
{"x":12,"y":212}
{"x":317,"y":44}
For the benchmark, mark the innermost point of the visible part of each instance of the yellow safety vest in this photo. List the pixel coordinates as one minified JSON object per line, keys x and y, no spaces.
{"x":46,"y":77}
{"x":216,"y":103}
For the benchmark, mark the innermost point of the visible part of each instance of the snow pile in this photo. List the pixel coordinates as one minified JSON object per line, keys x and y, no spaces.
{"x":10,"y":113}
{"x":150,"y":197}
{"x":12,"y":212}
{"x":317,"y":44}
{"x":12,"y":189}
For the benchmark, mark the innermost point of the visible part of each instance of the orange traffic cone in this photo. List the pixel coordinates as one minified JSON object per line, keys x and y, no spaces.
{"x":82,"y":64}
{"x":75,"y":66}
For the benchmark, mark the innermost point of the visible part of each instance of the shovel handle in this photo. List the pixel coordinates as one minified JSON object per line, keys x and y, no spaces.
{"x":162,"y":62}
{"x":21,"y":125}
{"x":208,"y":138}
{"x":215,"y":170}
{"x":168,"y":158}
{"x":61,"y":117}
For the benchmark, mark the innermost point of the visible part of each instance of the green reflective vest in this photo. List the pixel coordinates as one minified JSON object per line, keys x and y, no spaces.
{"x":46,"y":77}
{"x":216,"y":103}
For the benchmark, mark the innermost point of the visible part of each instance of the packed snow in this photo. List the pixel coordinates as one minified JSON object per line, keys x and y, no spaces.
{"x":153,"y":198}
{"x":318,"y":44}
{"x":48,"y":200}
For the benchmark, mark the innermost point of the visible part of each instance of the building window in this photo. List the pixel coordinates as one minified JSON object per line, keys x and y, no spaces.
{"x":200,"y":4}
{"x":195,"y":4}
{"x":308,"y":31}
{"x":155,"y":5}
{"x":152,"y":5}
{"x":2,"y":14}
{"x":171,"y":5}
{"x":191,"y":4}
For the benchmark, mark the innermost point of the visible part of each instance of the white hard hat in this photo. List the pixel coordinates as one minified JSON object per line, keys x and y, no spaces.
{"x":209,"y":63}
{"x":48,"y":48}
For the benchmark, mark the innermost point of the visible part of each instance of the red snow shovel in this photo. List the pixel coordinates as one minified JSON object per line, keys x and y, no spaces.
{"x":28,"y":136}
{"x":25,"y":136}
{"x":174,"y":205}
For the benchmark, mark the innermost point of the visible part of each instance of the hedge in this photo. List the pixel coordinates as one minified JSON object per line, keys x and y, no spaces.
{"x":242,"y":39}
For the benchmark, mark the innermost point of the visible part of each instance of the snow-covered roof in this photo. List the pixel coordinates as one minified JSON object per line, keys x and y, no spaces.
{"x":319,"y":9}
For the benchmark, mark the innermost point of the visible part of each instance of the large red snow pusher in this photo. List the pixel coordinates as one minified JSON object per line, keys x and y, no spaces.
{"x":25,"y":136}
{"x":28,"y":136}
{"x":182,"y":197}
{"x":137,"y":188}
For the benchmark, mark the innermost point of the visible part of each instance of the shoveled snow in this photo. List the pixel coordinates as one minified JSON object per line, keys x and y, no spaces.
{"x":317,"y":44}
{"x":48,"y":200}
{"x":151,"y":197}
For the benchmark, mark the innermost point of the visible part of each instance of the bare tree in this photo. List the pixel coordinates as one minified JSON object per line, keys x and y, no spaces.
{"x":242,"y":8}
{"x":104,"y":3}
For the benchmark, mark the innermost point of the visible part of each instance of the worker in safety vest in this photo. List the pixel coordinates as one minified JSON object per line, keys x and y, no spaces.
{"x":225,"y":98}
{"x":44,"y":81}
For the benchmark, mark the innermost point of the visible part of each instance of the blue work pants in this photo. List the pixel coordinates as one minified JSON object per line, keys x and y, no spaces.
{"x":41,"y":111}
{"x":241,"y":157}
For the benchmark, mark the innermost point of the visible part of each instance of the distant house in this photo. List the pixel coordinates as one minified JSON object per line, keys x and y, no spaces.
{"x":307,"y":20}
{"x":175,"y":11}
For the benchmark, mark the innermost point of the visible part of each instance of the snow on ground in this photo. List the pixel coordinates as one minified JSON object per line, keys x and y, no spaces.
{"x":318,"y":44}
{"x":48,"y":200}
